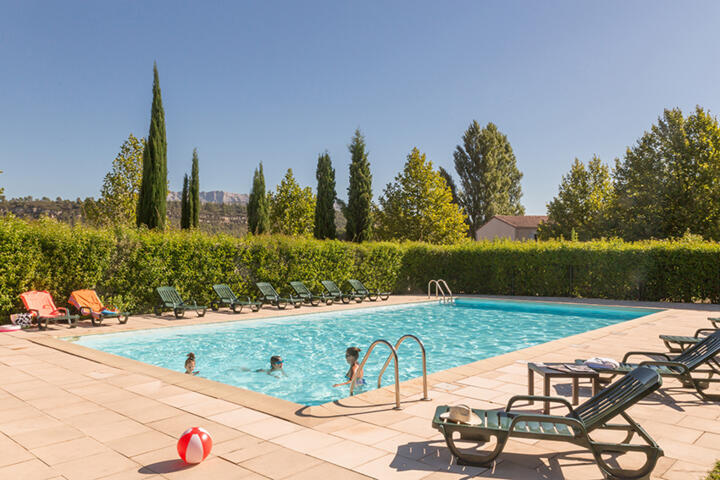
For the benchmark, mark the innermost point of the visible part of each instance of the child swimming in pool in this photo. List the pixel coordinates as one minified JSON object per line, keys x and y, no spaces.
{"x":190,"y":364}
{"x":351,"y":357}
{"x":276,"y":366}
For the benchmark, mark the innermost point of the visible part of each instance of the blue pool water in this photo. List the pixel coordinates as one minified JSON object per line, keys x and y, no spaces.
{"x":313,"y":346}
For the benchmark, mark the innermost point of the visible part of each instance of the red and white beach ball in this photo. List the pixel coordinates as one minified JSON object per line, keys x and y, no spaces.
{"x":194,"y":445}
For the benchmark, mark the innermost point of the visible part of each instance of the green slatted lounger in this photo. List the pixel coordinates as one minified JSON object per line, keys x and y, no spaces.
{"x":679,"y":343}
{"x":271,"y":296}
{"x":227,"y":297}
{"x":574,"y":428}
{"x":170,"y":300}
{"x":308,"y":297}
{"x":372,"y":295}
{"x":690,"y":367}
{"x":715,"y":322}
{"x":334,"y":291}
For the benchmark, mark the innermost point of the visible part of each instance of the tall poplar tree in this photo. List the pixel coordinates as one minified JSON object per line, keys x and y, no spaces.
{"x":325,"y":204}
{"x":152,"y":200}
{"x":488,"y":174}
{"x":258,"y":209}
{"x":451,"y":184}
{"x":359,"y":192}
{"x":194,"y":192}
{"x":185,"y":206}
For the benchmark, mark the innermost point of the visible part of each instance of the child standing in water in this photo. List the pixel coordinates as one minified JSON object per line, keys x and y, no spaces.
{"x":190,"y":364}
{"x":351,"y":357}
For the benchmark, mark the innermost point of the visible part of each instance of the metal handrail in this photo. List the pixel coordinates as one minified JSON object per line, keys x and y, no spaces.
{"x":445,"y":286}
{"x":424,"y":364}
{"x":438,"y":289}
{"x":393,"y":353}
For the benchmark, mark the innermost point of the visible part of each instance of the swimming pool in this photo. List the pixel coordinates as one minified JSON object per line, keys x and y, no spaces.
{"x":313,"y":345}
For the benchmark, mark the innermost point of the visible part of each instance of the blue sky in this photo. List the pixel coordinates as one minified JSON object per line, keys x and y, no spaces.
{"x":280,"y":82}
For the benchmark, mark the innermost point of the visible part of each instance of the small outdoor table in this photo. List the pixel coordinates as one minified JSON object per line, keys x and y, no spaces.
{"x":546,"y":371}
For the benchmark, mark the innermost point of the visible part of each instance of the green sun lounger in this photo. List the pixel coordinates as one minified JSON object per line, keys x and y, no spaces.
{"x":680,"y":343}
{"x":334,"y":291}
{"x":574,"y":428}
{"x":695,"y":367}
{"x":227,"y":297}
{"x":308,"y":297}
{"x":372,"y":295}
{"x":271,"y":296}
{"x":170,"y":300}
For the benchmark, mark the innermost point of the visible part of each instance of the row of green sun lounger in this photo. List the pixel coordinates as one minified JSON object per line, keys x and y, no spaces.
{"x":170,"y":299}
{"x":696,"y":366}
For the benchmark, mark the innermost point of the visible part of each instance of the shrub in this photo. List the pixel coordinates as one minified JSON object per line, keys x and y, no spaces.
{"x":125,"y":265}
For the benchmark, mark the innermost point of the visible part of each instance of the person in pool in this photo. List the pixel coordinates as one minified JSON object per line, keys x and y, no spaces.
{"x":276,"y":365}
{"x":190,"y":364}
{"x":351,"y":357}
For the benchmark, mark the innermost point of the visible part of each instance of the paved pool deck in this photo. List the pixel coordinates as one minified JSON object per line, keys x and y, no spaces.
{"x":74,"y":413}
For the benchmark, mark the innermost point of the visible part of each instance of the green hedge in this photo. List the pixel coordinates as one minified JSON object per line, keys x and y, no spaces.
{"x":125,"y":266}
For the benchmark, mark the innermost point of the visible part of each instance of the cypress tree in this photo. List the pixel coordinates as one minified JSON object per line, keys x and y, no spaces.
{"x":359,"y":191}
{"x":184,"y":206}
{"x":258,"y":208}
{"x":152,"y":200}
{"x":325,"y":204}
{"x":194,"y":192}
{"x":450,"y":183}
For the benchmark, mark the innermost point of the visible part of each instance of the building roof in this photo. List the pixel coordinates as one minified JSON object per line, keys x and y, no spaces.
{"x":522,"y":221}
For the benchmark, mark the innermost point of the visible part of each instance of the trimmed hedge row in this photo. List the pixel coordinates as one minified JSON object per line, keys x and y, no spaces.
{"x":125,"y":266}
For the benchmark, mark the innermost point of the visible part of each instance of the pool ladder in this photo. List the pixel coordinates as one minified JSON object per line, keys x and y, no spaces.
{"x":394,"y":356}
{"x":441,"y":288}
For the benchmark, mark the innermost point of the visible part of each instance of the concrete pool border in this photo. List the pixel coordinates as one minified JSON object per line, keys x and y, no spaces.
{"x":311,"y":416}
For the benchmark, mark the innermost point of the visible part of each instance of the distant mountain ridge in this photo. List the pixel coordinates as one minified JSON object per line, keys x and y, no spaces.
{"x":215,"y":196}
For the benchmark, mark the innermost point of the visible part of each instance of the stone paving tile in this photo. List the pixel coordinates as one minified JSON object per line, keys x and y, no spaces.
{"x":95,"y":466}
{"x":306,"y":440}
{"x":327,"y":472}
{"x":348,"y":454}
{"x":394,"y":466}
{"x":47,"y":436}
{"x":269,"y":428}
{"x":28,"y":470}
{"x":141,"y":443}
{"x":69,"y":450}
{"x":11,"y":452}
{"x":250,"y":451}
{"x":280,"y":463}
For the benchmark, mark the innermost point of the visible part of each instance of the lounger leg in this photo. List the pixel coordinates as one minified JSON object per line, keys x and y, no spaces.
{"x":475,"y":459}
{"x":651,"y":457}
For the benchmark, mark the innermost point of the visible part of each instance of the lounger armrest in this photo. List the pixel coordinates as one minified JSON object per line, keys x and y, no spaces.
{"x":64,"y":310}
{"x":573,"y":423}
{"x":647,"y":354}
{"x":545,"y":398}
{"x":85,"y":311}
{"x":715,"y":321}
{"x":679,"y":365}
{"x":36,"y":313}
{"x":704,"y":330}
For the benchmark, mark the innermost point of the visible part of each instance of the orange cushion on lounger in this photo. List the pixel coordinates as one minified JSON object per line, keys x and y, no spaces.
{"x":86,"y":298}
{"x":41,"y":301}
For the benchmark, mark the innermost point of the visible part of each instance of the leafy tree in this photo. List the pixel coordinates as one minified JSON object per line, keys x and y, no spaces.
{"x":292,"y":208}
{"x":118,"y":200}
{"x":325,"y":205}
{"x":450,"y":183}
{"x":667,"y":184}
{"x":258,"y":209}
{"x":194,"y":192}
{"x":2,"y":192}
{"x":488,"y":175}
{"x":153,"y":188}
{"x":185,"y":205}
{"x":418,"y":206}
{"x":359,"y":221}
{"x":583,"y":204}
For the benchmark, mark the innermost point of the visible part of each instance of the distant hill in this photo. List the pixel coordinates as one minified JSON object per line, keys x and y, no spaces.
{"x":216,"y":196}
